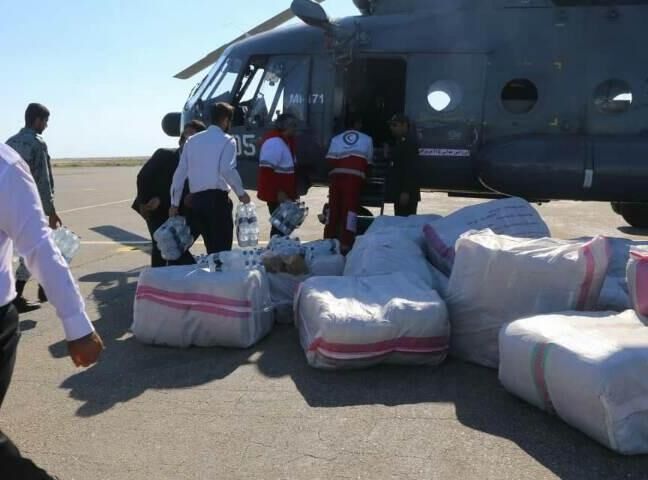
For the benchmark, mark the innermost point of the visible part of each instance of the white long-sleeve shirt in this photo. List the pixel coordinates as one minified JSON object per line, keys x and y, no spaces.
{"x":23,"y":226}
{"x":208,"y":160}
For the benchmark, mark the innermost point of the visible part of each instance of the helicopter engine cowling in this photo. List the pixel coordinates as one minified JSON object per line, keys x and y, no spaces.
{"x":365,"y":6}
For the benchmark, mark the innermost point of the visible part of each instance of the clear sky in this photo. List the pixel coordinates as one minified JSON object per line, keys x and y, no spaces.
{"x":105,"y":68}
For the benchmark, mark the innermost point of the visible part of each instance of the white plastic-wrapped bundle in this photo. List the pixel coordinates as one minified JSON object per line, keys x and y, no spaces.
{"x":410,"y":227}
{"x":637,"y":274}
{"x":497,"y":279}
{"x":511,"y":216}
{"x":353,"y":322}
{"x":283,"y":289}
{"x":614,"y":295}
{"x":389,"y":252}
{"x":587,"y":368}
{"x":189,"y":306}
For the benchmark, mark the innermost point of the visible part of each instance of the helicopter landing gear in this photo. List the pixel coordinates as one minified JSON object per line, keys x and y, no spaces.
{"x":636,"y":214}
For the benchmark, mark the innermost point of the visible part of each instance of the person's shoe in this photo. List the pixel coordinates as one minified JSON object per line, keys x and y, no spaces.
{"x":42,"y":298}
{"x":25,"y":306}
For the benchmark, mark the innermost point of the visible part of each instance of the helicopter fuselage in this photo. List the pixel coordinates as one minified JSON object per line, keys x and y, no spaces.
{"x":507,"y":97}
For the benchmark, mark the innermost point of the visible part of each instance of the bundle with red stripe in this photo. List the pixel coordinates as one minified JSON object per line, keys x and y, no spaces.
{"x":497,"y":279}
{"x":189,"y":306}
{"x":637,"y":278}
{"x":354,"y":322}
{"x":587,"y":368}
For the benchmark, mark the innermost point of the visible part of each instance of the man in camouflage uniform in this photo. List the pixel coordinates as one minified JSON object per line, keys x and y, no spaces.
{"x":32,"y":148}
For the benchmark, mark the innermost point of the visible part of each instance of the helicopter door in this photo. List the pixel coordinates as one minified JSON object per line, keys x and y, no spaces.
{"x":445,"y":95}
{"x":374,"y":89}
{"x":269,"y":86}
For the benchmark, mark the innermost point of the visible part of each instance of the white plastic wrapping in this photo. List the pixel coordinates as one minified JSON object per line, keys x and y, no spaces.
{"x":189,"y":306}
{"x":352,"y":322}
{"x":410,"y":227}
{"x":389,"y":252}
{"x":511,"y":216}
{"x":589,"y":369}
{"x":497,"y":279}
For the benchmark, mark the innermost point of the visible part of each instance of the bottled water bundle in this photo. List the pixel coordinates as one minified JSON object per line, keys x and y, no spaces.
{"x":247,"y":225}
{"x":289,"y":217}
{"x":238,"y":260}
{"x":67,"y":242}
{"x":173,"y":238}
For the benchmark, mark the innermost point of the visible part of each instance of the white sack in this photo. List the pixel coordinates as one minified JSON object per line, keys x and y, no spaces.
{"x":614,"y":295}
{"x":283,"y":289}
{"x":637,"y":274}
{"x":589,"y":369}
{"x":352,"y":322}
{"x":497,"y":279}
{"x":327,"y":266}
{"x":511,"y":216}
{"x":185,"y":306}
{"x":410,"y":227}
{"x":389,"y":252}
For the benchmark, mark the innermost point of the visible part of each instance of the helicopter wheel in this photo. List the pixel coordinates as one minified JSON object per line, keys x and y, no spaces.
{"x":635,"y":214}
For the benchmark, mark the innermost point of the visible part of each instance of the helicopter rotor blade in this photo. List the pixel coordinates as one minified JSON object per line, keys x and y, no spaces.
{"x":211,"y":57}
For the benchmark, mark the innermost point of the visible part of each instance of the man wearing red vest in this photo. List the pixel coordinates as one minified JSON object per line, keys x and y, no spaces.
{"x":277,"y":181}
{"x":349,"y":157}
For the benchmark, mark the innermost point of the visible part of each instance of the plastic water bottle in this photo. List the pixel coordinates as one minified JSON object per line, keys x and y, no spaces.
{"x":253,"y":225}
{"x":67,"y":242}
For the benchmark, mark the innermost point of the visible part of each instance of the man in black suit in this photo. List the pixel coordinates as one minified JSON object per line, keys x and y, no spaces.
{"x":404,"y":189}
{"x":153,"y":198}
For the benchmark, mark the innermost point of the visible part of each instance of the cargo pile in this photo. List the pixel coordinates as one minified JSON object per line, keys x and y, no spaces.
{"x":564,"y":321}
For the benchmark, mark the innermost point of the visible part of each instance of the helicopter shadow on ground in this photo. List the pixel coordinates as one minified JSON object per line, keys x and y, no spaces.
{"x":128,"y":368}
{"x":480,"y":403}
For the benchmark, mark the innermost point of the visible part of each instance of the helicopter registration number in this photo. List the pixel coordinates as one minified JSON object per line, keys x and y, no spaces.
{"x":246,"y":145}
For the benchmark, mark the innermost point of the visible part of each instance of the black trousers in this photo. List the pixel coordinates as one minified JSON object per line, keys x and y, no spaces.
{"x":12,"y":464}
{"x":211,"y":215}
{"x":153,"y":222}
{"x":272,"y":206}
{"x":406,"y":209}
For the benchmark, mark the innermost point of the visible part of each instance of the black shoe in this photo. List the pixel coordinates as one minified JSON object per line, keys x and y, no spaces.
{"x":25,"y":306}
{"x":42,"y":298}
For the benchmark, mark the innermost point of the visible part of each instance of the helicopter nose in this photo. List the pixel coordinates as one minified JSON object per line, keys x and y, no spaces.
{"x":171,"y":124}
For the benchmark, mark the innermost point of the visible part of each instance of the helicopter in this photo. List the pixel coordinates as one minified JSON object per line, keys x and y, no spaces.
{"x":540,"y":99}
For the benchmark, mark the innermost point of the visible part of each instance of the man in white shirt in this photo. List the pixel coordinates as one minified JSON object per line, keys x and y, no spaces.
{"x":208,"y":161}
{"x":23,"y":226}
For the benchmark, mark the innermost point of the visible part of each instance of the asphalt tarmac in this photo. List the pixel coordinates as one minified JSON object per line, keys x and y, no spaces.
{"x":262,"y":413}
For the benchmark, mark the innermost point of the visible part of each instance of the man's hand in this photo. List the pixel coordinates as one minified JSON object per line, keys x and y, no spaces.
{"x":85,"y":351}
{"x":150,"y":206}
{"x":153,"y":204}
{"x":173,"y":212}
{"x":282,"y":197}
{"x":55,"y":221}
{"x":245,"y":198}
{"x":404,"y":198}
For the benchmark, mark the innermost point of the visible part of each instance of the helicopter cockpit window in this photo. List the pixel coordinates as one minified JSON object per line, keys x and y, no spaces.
{"x":221,"y":86}
{"x":270,"y":87}
{"x":444,"y":96}
{"x":519,"y":96}
{"x":613,"y":96}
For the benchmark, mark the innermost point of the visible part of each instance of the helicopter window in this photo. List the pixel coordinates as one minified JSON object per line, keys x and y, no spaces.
{"x":222,"y":83}
{"x":613,"y":96}
{"x":278,"y":86}
{"x":519,"y":96}
{"x":444,"y":96}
